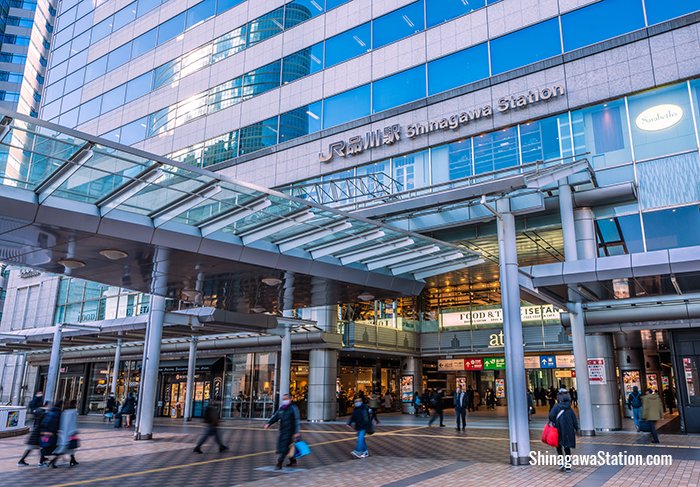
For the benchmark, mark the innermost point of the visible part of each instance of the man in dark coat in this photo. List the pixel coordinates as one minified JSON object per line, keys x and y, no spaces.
{"x":211,"y":417}
{"x":551,"y":396}
{"x":470,"y":398}
{"x":436,"y":404}
{"x":34,"y":440}
{"x":129,"y":408}
{"x":669,"y":399}
{"x":289,"y":419}
{"x":37,"y":402}
{"x":566,"y":422}
{"x":461,"y":403}
{"x":49,"y":431}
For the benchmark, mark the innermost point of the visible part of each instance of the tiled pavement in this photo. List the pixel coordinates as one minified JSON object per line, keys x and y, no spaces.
{"x":411,"y":454}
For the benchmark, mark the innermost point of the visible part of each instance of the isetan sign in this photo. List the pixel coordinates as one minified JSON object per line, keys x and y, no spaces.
{"x":495,"y":316}
{"x":659,"y":117}
{"x":395,"y":133}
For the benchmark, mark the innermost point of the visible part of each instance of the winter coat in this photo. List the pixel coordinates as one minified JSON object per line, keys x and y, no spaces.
{"x":129,"y":406}
{"x":211,"y":415}
{"x":567,"y":423}
{"x":35,"y":436}
{"x":49,"y":427}
{"x":289,"y":419}
{"x":652,"y":410}
{"x":461,"y":400}
{"x":111,"y":405}
{"x":68,"y":428}
{"x":360,"y":418}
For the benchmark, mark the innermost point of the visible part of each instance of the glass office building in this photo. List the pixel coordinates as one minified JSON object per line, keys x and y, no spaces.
{"x":355,"y":103}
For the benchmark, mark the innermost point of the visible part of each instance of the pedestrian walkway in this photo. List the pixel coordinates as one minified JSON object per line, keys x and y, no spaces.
{"x":399,"y":456}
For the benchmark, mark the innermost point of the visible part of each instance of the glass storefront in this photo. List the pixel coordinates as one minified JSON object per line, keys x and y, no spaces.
{"x":249,"y":385}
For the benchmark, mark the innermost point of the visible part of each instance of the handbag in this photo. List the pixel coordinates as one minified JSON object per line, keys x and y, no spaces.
{"x":73,"y":443}
{"x":302,"y":449}
{"x":550,"y":435}
{"x":645,"y":426}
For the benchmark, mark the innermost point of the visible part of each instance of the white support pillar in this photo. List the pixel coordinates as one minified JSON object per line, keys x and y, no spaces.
{"x":54,"y":366}
{"x":578,"y":331}
{"x":154,"y":335}
{"x":116,"y":366}
{"x":17,"y":398}
{"x":513,"y":332}
{"x":285,"y":361}
{"x":191,"y":363}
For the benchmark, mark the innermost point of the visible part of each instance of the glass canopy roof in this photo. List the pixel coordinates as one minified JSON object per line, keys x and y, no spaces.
{"x":58,"y":163}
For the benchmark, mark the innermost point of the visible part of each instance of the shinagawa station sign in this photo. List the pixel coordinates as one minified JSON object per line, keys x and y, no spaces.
{"x":393,"y":134}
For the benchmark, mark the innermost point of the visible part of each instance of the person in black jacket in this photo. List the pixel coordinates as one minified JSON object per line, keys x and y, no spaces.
{"x":566,"y":422}
{"x":470,"y":399}
{"x":37,"y":402}
{"x":436,"y":404}
{"x":360,"y":419}
{"x":211,"y":417}
{"x":129,"y":409}
{"x":49,"y":431}
{"x":34,"y":440}
{"x":289,"y":419}
{"x":110,"y":408}
{"x":461,"y":402}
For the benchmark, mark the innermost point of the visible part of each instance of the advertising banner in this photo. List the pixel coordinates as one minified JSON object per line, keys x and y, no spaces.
{"x":407,"y":388}
{"x":500,"y":388}
{"x":494,"y":316}
{"x":630,"y":379}
{"x":653,"y":382}
{"x":596,"y":371}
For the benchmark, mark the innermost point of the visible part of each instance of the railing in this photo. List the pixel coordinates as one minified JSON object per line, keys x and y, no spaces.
{"x":361,"y":335}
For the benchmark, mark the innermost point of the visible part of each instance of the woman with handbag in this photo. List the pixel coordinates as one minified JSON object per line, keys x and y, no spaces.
{"x":49,"y":431}
{"x":565,"y":420}
{"x":67,"y":435}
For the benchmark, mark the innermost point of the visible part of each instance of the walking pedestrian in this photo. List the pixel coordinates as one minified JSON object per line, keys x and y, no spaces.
{"x":551,"y":397}
{"x":566,"y":422}
{"x":470,"y":398}
{"x":34,"y":440}
{"x":128,"y":408}
{"x":374,"y":406}
{"x":574,"y":396}
{"x":461,"y":403}
{"x":634,"y":403}
{"x":669,"y":399}
{"x":211,"y":418}
{"x":490,"y":399}
{"x":109,"y":408}
{"x":49,"y":428}
{"x":652,"y":411}
{"x":289,"y":419}
{"x":388,"y":401}
{"x":37,"y":402}
{"x":67,"y":441}
{"x":530,"y":405}
{"x":437,"y":406}
{"x":360,"y":419}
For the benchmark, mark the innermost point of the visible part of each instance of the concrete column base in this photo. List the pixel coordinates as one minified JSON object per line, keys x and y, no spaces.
{"x":144,"y":436}
{"x":587,"y":432}
{"x":323,"y":373}
{"x":518,"y":461}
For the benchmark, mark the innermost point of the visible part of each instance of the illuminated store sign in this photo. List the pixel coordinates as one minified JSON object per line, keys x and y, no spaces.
{"x":393,"y":134}
{"x":495,"y":316}
{"x":659,"y":117}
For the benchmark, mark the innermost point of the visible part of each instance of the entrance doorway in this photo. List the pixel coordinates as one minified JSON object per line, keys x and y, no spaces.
{"x":69,"y":388}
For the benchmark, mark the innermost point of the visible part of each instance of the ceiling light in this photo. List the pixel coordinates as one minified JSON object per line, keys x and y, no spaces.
{"x":113,"y":254}
{"x":272,"y":281}
{"x":258,"y":309}
{"x":71,"y":263}
{"x":365,"y":296}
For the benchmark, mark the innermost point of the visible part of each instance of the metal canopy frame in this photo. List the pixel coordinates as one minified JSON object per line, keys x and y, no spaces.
{"x":88,"y":180}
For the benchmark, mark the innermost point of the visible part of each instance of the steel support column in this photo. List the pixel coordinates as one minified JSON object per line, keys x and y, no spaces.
{"x":285,"y":361}
{"x":191,"y":363}
{"x":17,"y":398}
{"x":116,"y":366}
{"x":154,"y":334}
{"x":578,"y":331}
{"x":513,"y":331}
{"x":54,"y":365}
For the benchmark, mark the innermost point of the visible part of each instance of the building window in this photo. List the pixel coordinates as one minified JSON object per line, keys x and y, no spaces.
{"x":398,"y":89}
{"x":525,"y":46}
{"x":300,"y":11}
{"x":258,"y":136}
{"x":496,"y":151}
{"x":302,"y":63}
{"x":266,"y":26}
{"x":398,"y":24}
{"x":171,"y":28}
{"x":343,"y":107}
{"x":602,"y":132}
{"x":452,"y":161}
{"x":660,"y":10}
{"x":619,"y":235}
{"x":348,"y":45}
{"x":300,"y":121}
{"x":599,"y":21}
{"x":439,"y":11}
{"x":676,"y":227}
{"x":458,"y":69}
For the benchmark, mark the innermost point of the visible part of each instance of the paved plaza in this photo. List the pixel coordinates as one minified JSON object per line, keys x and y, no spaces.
{"x":403,"y":454}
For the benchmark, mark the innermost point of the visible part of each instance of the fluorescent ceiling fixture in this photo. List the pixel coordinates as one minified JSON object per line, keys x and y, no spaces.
{"x":113,"y":254}
{"x":185,"y":204}
{"x":408,"y":21}
{"x":426,"y":262}
{"x":312,"y":115}
{"x":311,"y":236}
{"x":71,"y":263}
{"x":359,"y":41}
{"x":375,"y":250}
{"x":64,"y":173}
{"x":365,"y":296}
{"x":275,"y":226}
{"x":271,"y":281}
{"x":445,"y":268}
{"x":230,"y":217}
{"x":258,"y":309}
{"x":129,"y":189}
{"x":346,"y":243}
{"x":401,"y":257}
{"x":318,"y":7}
{"x":315,"y":59}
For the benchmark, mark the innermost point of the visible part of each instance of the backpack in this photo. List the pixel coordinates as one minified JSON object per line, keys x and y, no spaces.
{"x":636,"y":400}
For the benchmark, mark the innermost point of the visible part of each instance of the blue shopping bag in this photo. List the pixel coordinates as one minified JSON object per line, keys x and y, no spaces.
{"x":301,"y":449}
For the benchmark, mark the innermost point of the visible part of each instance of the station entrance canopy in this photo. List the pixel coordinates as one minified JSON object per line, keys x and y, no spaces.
{"x":78,"y":205}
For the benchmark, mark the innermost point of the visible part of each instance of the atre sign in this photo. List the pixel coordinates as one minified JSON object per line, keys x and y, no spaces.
{"x":659,"y":117}
{"x":395,"y":133}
